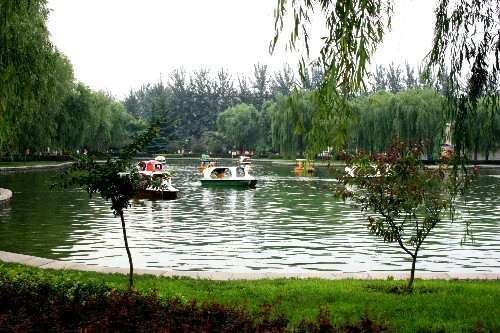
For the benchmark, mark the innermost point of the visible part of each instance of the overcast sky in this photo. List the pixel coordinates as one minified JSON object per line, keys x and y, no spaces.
{"x":118,"y":45}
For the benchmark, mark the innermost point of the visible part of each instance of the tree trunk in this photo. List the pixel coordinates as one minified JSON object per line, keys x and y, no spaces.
{"x":412,"y":273}
{"x":131,"y":265}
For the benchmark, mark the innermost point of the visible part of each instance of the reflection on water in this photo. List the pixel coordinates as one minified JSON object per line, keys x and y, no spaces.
{"x":286,"y":224}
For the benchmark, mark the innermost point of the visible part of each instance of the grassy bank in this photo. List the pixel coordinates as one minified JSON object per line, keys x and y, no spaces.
{"x":435,"y":305}
{"x":28,"y":163}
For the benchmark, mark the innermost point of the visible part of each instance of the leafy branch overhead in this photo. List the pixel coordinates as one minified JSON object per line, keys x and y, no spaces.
{"x":464,"y":54}
{"x":354,"y":29}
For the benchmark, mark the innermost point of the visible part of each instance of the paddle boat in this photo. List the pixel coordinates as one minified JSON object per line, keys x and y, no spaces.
{"x":232,"y":176}
{"x":303,"y":166}
{"x":244,"y":160}
{"x":161,"y":159}
{"x":206,"y":162}
{"x":156,"y":181}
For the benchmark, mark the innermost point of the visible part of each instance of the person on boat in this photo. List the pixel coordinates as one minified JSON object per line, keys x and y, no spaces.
{"x":141,"y":166}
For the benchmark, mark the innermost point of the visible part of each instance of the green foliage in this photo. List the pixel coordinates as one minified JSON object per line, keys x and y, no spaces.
{"x":413,"y":114}
{"x":32,"y":74}
{"x":190,"y":104}
{"x":283,"y":82}
{"x":402,"y":199}
{"x":379,"y":79}
{"x":484,"y":137}
{"x":40,"y":105}
{"x":394,"y":79}
{"x":215,"y":142}
{"x":115,"y":179}
{"x":260,"y":86}
{"x":466,"y":53}
{"x":291,"y":123}
{"x":434,"y":306}
{"x":239,"y":125}
{"x":91,"y":120}
{"x":356,"y":28}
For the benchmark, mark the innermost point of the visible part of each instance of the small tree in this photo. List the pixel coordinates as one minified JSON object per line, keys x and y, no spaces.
{"x":115,"y":179}
{"x":402,"y":199}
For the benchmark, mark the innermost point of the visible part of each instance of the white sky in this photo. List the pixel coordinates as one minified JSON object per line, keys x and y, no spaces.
{"x":118,"y":45}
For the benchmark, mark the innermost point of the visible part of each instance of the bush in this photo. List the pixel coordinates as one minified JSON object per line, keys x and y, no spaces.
{"x":28,"y":305}
{"x":37,"y":303}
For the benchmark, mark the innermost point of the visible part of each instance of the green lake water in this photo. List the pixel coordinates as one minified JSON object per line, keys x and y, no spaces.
{"x":286,"y":224}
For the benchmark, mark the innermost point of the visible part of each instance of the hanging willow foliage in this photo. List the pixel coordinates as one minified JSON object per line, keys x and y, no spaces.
{"x":466,"y":51}
{"x":33,"y":75}
{"x":355,"y":29}
{"x":465,"y":54}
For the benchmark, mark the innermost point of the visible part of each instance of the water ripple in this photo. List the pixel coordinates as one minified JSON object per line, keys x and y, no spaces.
{"x":285,"y":224}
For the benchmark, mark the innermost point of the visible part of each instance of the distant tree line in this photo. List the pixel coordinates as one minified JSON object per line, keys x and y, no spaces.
{"x":43,"y":109}
{"x":206,"y":114}
{"x":394,"y":78}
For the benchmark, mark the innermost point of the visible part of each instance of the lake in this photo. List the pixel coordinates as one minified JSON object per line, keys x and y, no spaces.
{"x":286,"y":224}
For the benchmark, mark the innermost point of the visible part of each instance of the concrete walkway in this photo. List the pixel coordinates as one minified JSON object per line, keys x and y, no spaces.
{"x":55,"y":264}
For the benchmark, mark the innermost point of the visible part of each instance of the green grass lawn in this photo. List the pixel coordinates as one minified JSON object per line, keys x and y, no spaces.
{"x":455,"y":306}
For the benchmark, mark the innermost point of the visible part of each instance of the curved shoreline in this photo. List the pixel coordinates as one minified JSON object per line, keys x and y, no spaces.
{"x":6,"y":194}
{"x":34,"y":167}
{"x":44,"y":263}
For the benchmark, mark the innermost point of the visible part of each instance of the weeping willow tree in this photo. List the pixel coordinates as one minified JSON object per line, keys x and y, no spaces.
{"x":355,"y":28}
{"x":239,"y":125}
{"x":484,"y":138}
{"x":291,"y":120}
{"x":33,"y":77}
{"x":418,"y":117}
{"x":465,"y":53}
{"x":414,"y":115}
{"x":371,"y":112}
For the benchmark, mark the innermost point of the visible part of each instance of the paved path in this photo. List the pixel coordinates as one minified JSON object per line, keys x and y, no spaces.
{"x":55,"y":264}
